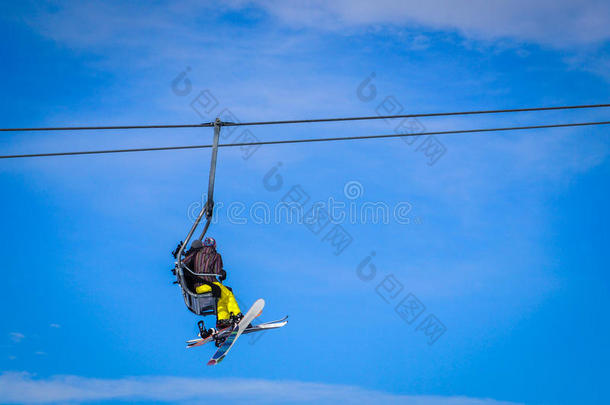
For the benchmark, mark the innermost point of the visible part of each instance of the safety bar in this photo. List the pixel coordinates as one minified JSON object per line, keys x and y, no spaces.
{"x":181,"y":281}
{"x":199,"y":274}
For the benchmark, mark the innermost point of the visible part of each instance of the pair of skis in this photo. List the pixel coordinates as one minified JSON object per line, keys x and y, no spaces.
{"x":222,"y":333}
{"x":231,"y":335}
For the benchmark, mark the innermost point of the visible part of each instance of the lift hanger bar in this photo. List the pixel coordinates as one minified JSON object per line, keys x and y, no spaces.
{"x":208,"y":208}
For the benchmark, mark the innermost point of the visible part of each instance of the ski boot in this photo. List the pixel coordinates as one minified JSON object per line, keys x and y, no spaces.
{"x":219,"y":341}
{"x":236,"y":319}
{"x":223,"y":324}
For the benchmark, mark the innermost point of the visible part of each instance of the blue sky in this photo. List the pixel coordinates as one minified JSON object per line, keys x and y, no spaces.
{"x":505,"y":241}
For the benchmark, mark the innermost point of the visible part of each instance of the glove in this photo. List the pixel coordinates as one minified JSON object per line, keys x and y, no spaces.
{"x":223,"y":275}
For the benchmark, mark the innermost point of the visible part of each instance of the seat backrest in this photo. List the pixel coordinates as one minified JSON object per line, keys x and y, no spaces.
{"x":199,"y":304}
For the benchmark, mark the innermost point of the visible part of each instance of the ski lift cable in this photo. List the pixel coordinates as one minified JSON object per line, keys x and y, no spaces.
{"x":108,"y":127}
{"x":307,"y":140}
{"x":306,"y":121}
{"x":422,"y":115}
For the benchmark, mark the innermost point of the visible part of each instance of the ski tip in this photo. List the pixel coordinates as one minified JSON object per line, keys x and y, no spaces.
{"x":212,"y":363}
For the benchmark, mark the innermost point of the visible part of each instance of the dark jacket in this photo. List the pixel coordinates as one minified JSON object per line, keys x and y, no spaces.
{"x":205,"y":260}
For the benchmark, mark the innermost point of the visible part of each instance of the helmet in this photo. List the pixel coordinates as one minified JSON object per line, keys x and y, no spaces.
{"x":209,"y":242}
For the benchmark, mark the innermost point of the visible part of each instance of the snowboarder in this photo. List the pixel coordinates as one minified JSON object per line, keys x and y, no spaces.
{"x":203,"y":258}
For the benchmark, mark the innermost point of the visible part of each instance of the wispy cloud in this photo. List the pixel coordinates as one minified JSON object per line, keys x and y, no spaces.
{"x":561,"y":24}
{"x":16,"y":336}
{"x":558,"y":23}
{"x":24,"y":388}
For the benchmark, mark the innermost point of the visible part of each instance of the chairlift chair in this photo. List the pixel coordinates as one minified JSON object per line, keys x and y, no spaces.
{"x":200,"y":304}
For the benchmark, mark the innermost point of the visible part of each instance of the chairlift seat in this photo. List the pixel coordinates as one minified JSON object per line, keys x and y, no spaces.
{"x":199,"y":304}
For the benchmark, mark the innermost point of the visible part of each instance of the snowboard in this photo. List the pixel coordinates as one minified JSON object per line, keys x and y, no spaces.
{"x":224,"y":332}
{"x":223,"y":350}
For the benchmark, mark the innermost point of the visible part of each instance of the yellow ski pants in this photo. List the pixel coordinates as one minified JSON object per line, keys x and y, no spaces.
{"x":226,"y":305}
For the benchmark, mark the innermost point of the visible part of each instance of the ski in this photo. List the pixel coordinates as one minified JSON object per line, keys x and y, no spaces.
{"x":255,"y":328}
{"x":223,"y":350}
{"x":199,"y":341}
{"x":222,"y":333}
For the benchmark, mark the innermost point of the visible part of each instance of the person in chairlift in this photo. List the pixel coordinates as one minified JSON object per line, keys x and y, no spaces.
{"x":203,"y":258}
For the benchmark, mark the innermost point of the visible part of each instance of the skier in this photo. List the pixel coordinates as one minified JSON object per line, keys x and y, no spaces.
{"x":203,"y":258}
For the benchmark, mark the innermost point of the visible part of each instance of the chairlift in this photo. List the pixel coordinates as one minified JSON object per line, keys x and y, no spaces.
{"x":200,"y":304}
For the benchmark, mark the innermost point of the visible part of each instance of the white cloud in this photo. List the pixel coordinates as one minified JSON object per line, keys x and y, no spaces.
{"x":598,"y":64}
{"x":559,"y":23}
{"x":555,"y":22}
{"x":23,"y":388}
{"x":17,"y":337}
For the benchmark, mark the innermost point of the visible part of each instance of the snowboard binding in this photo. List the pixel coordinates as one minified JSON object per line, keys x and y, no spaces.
{"x":203,"y":332}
